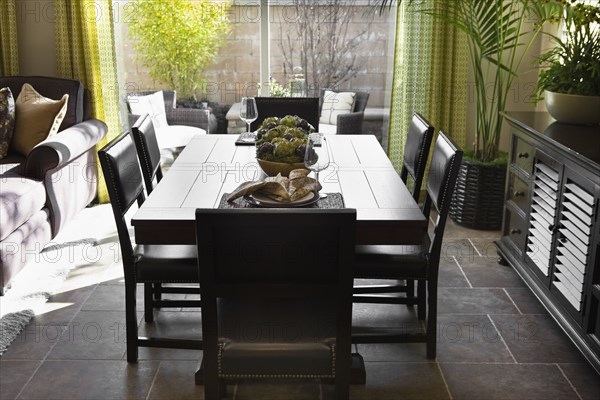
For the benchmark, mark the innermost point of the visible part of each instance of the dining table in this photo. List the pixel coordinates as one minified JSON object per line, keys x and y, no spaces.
{"x":211,"y":166}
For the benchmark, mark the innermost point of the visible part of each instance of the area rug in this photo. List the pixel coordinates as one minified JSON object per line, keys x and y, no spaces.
{"x":35,"y":284}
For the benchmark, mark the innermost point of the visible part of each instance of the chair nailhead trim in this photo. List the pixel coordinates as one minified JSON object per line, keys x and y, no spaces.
{"x":275,"y":376}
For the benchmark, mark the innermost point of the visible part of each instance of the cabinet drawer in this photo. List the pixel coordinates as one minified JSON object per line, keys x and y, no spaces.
{"x":518,"y":192}
{"x":516,"y":229}
{"x":522,"y":154}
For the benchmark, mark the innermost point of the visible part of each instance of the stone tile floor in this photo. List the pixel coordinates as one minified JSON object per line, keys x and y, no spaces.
{"x":495,"y":341}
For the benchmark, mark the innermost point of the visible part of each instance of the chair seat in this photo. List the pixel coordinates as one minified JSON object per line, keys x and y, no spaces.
{"x":151,"y":260}
{"x":277,"y":360}
{"x":390,"y":262}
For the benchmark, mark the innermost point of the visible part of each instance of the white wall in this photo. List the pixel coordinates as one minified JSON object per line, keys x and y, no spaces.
{"x":35,"y":32}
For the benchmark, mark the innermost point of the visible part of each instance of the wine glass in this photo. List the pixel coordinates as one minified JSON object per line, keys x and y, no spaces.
{"x":248,"y":114}
{"x":316,"y":157}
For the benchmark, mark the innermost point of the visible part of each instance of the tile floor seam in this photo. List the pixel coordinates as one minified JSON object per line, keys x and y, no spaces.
{"x":502,"y":338}
{"x":569,"y":382}
{"x":512,"y":301}
{"x":463,"y":272}
{"x":154,"y":379}
{"x":444,"y":380}
{"x":54,"y":344}
{"x":476,"y":249}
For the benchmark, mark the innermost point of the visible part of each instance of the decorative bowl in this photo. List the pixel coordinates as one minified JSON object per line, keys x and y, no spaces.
{"x":273,"y":168}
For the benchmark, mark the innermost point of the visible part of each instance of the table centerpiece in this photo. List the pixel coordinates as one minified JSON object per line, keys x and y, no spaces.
{"x":281,"y":144}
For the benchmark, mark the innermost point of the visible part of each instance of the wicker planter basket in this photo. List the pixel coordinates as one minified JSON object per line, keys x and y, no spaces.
{"x":478,"y":198}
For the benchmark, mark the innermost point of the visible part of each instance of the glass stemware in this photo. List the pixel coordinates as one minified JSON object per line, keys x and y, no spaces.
{"x":248,"y":114}
{"x":316,"y":157}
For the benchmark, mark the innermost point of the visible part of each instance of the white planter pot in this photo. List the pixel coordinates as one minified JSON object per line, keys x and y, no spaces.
{"x":572,"y":108}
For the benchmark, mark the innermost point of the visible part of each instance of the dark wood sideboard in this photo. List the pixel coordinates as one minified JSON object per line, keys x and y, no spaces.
{"x":551,"y":227}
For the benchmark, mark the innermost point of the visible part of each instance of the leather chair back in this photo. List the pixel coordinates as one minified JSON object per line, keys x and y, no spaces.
{"x":304,"y":107}
{"x":441,"y":181}
{"x":293,"y":269}
{"x":148,"y":151}
{"x":416,"y":151}
{"x":121,"y":170}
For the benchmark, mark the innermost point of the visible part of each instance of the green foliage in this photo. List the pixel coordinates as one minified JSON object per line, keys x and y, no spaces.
{"x":178,"y":39}
{"x":573,"y":66}
{"x":276,"y":89}
{"x":499,"y":40}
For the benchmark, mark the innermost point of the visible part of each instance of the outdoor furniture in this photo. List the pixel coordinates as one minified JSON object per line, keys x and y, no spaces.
{"x":148,"y":264}
{"x":348,"y":122}
{"x":304,"y":107}
{"x":297,"y":279}
{"x":420,"y":263}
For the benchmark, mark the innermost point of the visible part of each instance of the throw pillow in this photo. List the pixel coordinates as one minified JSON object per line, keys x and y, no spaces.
{"x":334,"y":104}
{"x":153,"y":105}
{"x":7,"y":120}
{"x":37,"y":118}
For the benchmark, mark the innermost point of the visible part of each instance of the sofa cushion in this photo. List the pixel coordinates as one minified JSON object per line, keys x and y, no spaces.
{"x":20,"y":199}
{"x":153,"y":105}
{"x":7,"y":120}
{"x":334,"y":104}
{"x":37,"y":118}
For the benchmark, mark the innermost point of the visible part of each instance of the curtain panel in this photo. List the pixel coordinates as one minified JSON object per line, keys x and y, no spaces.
{"x":9,"y":52}
{"x":430,"y":76}
{"x":85,"y":48}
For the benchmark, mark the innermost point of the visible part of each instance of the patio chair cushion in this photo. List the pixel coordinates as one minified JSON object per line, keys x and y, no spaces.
{"x":153,"y":105}
{"x":37,"y":117}
{"x":334,"y":104}
{"x":173,"y":136}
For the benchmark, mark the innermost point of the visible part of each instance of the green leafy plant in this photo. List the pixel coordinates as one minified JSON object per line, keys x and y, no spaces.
{"x":573,"y":65}
{"x":178,"y":39}
{"x":499,"y":37}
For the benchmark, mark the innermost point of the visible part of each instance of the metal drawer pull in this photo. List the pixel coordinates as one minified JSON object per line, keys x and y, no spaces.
{"x":519,"y":194}
{"x":515,"y":231}
{"x":523,"y":155}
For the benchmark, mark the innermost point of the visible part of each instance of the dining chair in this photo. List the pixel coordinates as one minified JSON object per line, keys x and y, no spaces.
{"x":419,"y":263}
{"x":146,"y":145}
{"x":414,"y":162}
{"x":416,"y":152}
{"x":147,"y":264}
{"x":276,"y":300}
{"x":304,"y":107}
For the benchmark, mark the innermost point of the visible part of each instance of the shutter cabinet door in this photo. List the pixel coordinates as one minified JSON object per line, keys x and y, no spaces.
{"x":574,"y":238}
{"x":543,"y":211}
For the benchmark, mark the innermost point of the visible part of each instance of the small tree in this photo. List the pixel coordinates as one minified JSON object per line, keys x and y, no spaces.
{"x":178,"y":39}
{"x":321,"y":42}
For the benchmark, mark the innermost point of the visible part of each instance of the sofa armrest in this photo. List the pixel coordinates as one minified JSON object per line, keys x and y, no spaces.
{"x":187,"y":116}
{"x":350,"y":123}
{"x":60,"y":149}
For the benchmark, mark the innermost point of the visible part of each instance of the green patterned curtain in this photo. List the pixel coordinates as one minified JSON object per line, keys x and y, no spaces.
{"x":86,"y":52}
{"x":9,"y":53}
{"x":430,"y":76}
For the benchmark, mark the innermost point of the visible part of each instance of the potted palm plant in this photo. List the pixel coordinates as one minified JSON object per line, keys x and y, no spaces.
{"x":570,"y":82}
{"x":499,"y":34}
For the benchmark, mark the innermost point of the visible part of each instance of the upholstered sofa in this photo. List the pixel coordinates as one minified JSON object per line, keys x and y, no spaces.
{"x":41,"y":192}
